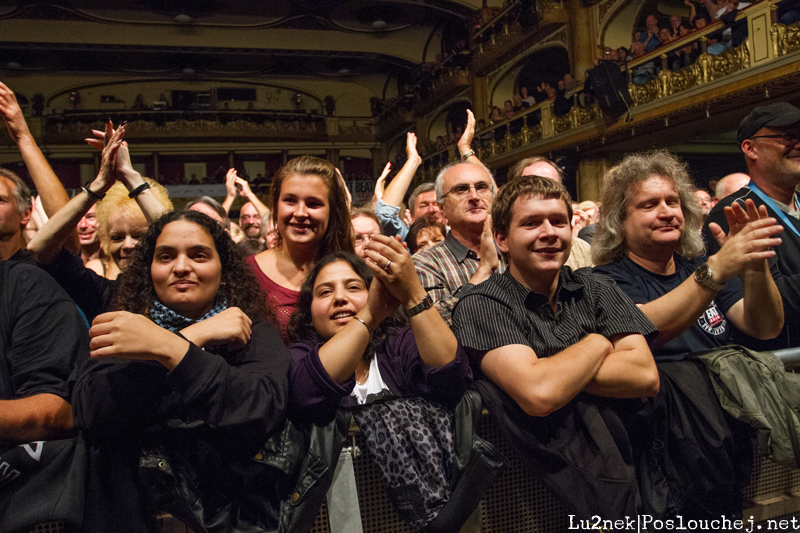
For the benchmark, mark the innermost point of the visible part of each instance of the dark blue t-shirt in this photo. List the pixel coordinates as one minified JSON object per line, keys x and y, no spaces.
{"x":642,"y":286}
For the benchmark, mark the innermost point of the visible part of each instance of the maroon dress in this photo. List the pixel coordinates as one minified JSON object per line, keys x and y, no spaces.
{"x":281,"y":301}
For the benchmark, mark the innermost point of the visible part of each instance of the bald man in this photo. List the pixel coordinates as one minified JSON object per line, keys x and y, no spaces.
{"x":729,"y":185}
{"x":769,"y":138}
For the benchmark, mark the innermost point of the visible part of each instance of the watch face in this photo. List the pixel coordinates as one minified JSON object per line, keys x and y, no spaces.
{"x":704,"y":272}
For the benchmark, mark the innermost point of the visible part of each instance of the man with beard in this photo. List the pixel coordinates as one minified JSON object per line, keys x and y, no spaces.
{"x":252,"y":212}
{"x":769,"y":137}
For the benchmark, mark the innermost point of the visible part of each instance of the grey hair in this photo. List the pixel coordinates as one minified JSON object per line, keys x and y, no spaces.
{"x":440,"y":178}
{"x":609,"y":242}
{"x":517,"y":170}
{"x":425,"y":187}
{"x":21,"y":191}
{"x":213,"y":204}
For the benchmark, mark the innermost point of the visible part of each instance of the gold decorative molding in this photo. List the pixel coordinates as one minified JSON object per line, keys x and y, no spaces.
{"x":530,"y":135}
{"x":606,"y":7}
{"x":643,"y":94}
{"x":705,"y":69}
{"x":577,"y":116}
{"x":785,"y":39}
{"x":545,"y":6}
{"x":74,"y":130}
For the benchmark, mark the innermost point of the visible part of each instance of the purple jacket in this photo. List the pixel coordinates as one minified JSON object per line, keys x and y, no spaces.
{"x":313,"y":392}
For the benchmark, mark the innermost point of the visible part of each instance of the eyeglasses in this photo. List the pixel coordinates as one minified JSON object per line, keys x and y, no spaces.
{"x":461,"y":190}
{"x":250,"y":217}
{"x":786,"y":139}
{"x":361,"y":238}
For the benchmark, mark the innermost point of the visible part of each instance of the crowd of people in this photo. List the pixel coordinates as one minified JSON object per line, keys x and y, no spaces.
{"x":702,"y":13}
{"x":151,"y":364}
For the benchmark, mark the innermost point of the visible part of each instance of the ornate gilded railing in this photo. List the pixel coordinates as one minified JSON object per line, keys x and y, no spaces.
{"x":706,"y":68}
{"x":71,"y":127}
{"x":766,"y":41}
{"x":785,"y":39}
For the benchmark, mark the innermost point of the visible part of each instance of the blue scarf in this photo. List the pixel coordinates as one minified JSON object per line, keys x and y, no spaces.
{"x":169,"y":319}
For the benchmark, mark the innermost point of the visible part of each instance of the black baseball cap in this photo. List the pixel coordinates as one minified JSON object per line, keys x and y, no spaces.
{"x":773,"y":115}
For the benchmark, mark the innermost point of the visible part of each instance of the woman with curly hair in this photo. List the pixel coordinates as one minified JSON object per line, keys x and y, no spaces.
{"x":311,"y":213}
{"x":185,"y":365}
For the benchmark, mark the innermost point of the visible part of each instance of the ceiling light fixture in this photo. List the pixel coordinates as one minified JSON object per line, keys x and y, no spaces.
{"x":379,"y":24}
{"x":183,"y":18}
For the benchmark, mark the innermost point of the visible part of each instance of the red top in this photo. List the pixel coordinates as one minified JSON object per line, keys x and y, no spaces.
{"x":281,"y":301}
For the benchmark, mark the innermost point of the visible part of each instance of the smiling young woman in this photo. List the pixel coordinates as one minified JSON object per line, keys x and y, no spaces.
{"x":400,"y":381}
{"x":186,"y":365}
{"x":348,"y":347}
{"x":311,"y":217}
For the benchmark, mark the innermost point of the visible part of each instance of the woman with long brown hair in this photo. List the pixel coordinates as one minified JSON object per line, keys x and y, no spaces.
{"x":310,"y":209}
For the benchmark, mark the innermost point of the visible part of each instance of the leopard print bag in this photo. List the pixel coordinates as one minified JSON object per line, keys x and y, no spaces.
{"x":412,"y":442}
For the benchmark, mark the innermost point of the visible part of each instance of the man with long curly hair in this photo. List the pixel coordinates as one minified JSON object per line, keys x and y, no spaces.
{"x":649,"y":242}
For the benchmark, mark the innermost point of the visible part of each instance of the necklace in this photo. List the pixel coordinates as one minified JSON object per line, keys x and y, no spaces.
{"x":280,"y":250}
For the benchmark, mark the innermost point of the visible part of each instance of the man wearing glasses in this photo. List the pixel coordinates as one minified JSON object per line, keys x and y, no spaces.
{"x":467,"y":256}
{"x":770,"y":140}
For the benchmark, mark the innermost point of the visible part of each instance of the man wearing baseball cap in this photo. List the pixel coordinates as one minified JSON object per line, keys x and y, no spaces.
{"x":770,"y":140}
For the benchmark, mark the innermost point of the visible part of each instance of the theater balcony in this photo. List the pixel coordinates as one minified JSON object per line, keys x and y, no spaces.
{"x":517,"y":27}
{"x":689,"y":110}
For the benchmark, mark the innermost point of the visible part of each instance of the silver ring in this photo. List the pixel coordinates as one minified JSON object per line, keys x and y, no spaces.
{"x":387,"y":265}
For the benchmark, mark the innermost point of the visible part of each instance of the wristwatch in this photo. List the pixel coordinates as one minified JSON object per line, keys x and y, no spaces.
{"x":468,"y":155}
{"x":703,"y":277}
{"x":426,"y":303}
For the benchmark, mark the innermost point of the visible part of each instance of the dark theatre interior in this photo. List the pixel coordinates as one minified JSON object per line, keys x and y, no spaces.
{"x":209,"y":85}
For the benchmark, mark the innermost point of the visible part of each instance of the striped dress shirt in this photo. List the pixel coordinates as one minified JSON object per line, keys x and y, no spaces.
{"x":501,"y":311}
{"x":444,"y":270}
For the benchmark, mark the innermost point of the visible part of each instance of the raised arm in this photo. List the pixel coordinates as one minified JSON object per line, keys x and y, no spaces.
{"x":396,"y":190}
{"x":692,"y":11}
{"x":436,"y":343}
{"x":760,"y":311}
{"x":129,"y":176}
{"x":230,"y":189}
{"x":262,"y":209}
{"x":133,"y":181}
{"x":746,"y":246}
{"x":48,"y":186}
{"x":489,"y":258}
{"x":49,"y":240}
{"x":465,"y":144}
{"x":380,"y":184}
